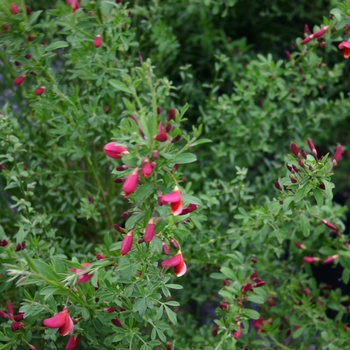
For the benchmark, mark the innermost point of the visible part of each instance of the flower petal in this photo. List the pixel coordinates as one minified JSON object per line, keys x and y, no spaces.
{"x":173,"y":261}
{"x":176,"y":208}
{"x":68,"y":326}
{"x":56,"y":321}
{"x":180,"y":269}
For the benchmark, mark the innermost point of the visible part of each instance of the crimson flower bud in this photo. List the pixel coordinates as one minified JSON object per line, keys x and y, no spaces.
{"x":106,"y":109}
{"x":127,"y":243}
{"x":40,"y":90}
{"x":147,"y":169}
{"x":320,"y":32}
{"x":270,"y":302}
{"x":161,"y":136}
{"x":289,"y":168}
{"x":97,"y":41}
{"x":155,"y":154}
{"x":19,"y":80}
{"x":109,"y":309}
{"x":287,"y":54}
{"x":149,"y":232}
{"x":121,"y":167}
{"x":159,"y":110}
{"x":300,"y":162}
{"x":176,"y":138}
{"x":226,"y":282}
{"x":171,"y":114}
{"x":167,"y":127}
{"x":16,"y":326}
{"x":254,"y":260}
{"x":292,"y":179}
{"x":306,"y":30}
{"x":224,"y":307}
{"x":330,"y":259}
{"x":191,"y":207}
{"x":118,"y":228}
{"x":32,"y":347}
{"x":173,"y":243}
{"x":5,"y":26}
{"x":100,"y":257}
{"x":14,"y":9}
{"x":29,"y":10}
{"x":214,"y":330}
{"x":337,"y":155}
{"x":246,"y":288}
{"x":165,"y":248}
{"x":303,"y":153}
{"x":116,"y":322}
{"x":125,"y":215}
{"x":310,"y":259}
{"x":312,"y":147}
{"x":299,"y":245}
{"x":278,"y":186}
{"x":113,"y":150}
{"x":30,"y":37}
{"x":168,"y":345}
{"x":253,"y":275}
{"x":118,"y":1}
{"x":295,"y":150}
{"x":307,"y":39}
{"x":295,"y":169}
{"x":4,"y":315}
{"x":19,"y":316}
{"x":72,"y":342}
{"x":329,"y":224}
{"x":119,"y":181}
{"x":3,"y":243}
{"x":131,"y":182}
{"x":18,"y":247}
{"x":28,"y":56}
{"x":259,"y":284}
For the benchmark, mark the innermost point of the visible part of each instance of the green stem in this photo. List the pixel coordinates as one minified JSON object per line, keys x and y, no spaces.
{"x":218,"y":347}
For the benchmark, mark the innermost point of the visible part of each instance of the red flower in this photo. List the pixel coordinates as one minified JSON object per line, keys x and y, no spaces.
{"x":73,"y":3}
{"x":62,"y":321}
{"x":329,"y":224}
{"x":149,"y":233}
{"x":100,"y":257}
{"x":14,"y":9}
{"x":330,"y":259}
{"x":40,"y":90}
{"x":345,"y":46}
{"x":97,"y":41}
{"x":174,"y":198}
{"x":337,"y":155}
{"x":72,"y":342}
{"x":177,"y":262}
{"x":310,"y":259}
{"x":19,"y":80}
{"x":165,"y":248}
{"x":126,"y":244}
{"x":171,"y":114}
{"x":113,"y":150}
{"x":130,"y":184}
{"x":312,"y":147}
{"x":146,"y":168}
{"x":83,"y":278}
{"x":189,"y":209}
{"x":295,"y":150}
{"x":161,"y":136}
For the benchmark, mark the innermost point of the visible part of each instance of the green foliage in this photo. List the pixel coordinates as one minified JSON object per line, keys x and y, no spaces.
{"x":205,"y":103}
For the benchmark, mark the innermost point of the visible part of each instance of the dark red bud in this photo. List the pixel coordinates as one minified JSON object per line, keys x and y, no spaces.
{"x":171,"y":114}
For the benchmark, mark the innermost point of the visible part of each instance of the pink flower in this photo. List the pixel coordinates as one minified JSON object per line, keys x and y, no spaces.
{"x":345,"y":46}
{"x":14,"y":9}
{"x":40,"y":90}
{"x":113,"y":150}
{"x":312,"y":147}
{"x":337,"y":155}
{"x":331,"y":259}
{"x":126,"y":244}
{"x":189,"y":209}
{"x":329,"y":224}
{"x":177,"y":262}
{"x":19,"y":80}
{"x":149,"y":233}
{"x":174,"y":198}
{"x":146,"y":168}
{"x":86,"y":277}
{"x":310,"y":259}
{"x":73,"y":3}
{"x":130,"y":184}
{"x":97,"y":41}
{"x":100,"y":257}
{"x":62,"y":321}
{"x":161,"y":136}
{"x":72,"y":342}
{"x":165,"y":248}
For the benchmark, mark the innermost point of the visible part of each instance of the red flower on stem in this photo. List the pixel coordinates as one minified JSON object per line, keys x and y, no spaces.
{"x":174,"y":198}
{"x":337,"y":155}
{"x":177,"y":262}
{"x":131,"y":182}
{"x":72,"y":342}
{"x":113,"y":150}
{"x":345,"y":46}
{"x":161,"y":136}
{"x":83,"y":278}
{"x":14,"y":9}
{"x":62,"y":321}
{"x":147,"y":169}
{"x":310,"y":259}
{"x":15,"y":325}
{"x":97,"y":41}
{"x":149,"y":233}
{"x":40,"y":90}
{"x":127,"y":243}
{"x":19,"y":80}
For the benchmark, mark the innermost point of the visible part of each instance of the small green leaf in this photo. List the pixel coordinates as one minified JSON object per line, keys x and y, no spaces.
{"x":305,"y":225}
{"x":252,"y":313}
{"x":174,"y":286}
{"x":171,"y":315}
{"x":56,"y":45}
{"x":228,"y":273}
{"x":318,"y":196}
{"x":119,"y":85}
{"x":184,"y":158}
